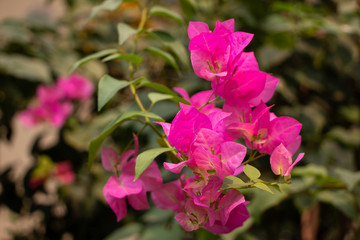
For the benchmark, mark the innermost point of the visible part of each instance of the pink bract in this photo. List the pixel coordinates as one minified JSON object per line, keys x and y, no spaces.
{"x":119,"y":187}
{"x":281,"y":160}
{"x":75,"y":87}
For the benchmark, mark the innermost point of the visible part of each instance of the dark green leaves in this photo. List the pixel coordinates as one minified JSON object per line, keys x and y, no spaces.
{"x":145,"y":158}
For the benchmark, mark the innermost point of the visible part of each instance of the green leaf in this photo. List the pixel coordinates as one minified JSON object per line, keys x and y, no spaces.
{"x":161,"y":11}
{"x":26,"y":68}
{"x":161,"y":36}
{"x":125,"y":31}
{"x":96,"y":143}
{"x":180,"y":52}
{"x":341,"y":199}
{"x":348,"y":177}
{"x":188,"y":7}
{"x":310,"y":170}
{"x":157,"y":97}
{"x":93,"y":56}
{"x":252,"y":172}
{"x":163,"y":89}
{"x":145,"y":158}
{"x":262,"y":186}
{"x":262,"y":201}
{"x":108,"y":5}
{"x":108,"y":87}
{"x":350,"y":136}
{"x":164,"y":55}
{"x":131,"y":58}
{"x":233,"y":182}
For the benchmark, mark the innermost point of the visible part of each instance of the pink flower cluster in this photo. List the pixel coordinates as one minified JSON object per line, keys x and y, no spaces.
{"x":54,"y":102}
{"x":204,"y":137}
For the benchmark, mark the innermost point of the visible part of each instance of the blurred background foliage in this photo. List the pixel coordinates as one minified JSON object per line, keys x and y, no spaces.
{"x":313,"y":46}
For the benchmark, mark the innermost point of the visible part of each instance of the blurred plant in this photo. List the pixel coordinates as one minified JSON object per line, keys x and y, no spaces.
{"x":311,"y":46}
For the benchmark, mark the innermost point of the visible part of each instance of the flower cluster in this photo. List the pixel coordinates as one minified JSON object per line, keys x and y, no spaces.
{"x":205,"y":135}
{"x":54,"y":102}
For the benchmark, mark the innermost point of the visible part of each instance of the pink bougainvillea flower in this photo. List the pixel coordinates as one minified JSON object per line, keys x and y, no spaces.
{"x":281,"y":160}
{"x":231,"y":213}
{"x":187,"y":122}
{"x":75,"y":87}
{"x":169,"y":196}
{"x":210,"y":55}
{"x":262,"y":130}
{"x":193,"y":217}
{"x":119,"y":187}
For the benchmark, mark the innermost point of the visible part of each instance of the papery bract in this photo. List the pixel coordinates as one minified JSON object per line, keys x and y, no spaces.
{"x":281,"y":160}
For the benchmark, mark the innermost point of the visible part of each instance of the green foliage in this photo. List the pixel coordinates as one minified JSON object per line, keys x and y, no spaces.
{"x":161,"y":11}
{"x":145,"y":159}
{"x":93,"y":56}
{"x":164,"y":55}
{"x":125,"y":31}
{"x":108,"y":87}
{"x":129,"y":115}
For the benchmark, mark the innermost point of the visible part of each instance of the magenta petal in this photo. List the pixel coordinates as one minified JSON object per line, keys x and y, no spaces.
{"x":232,"y":156}
{"x":294,"y":146}
{"x":118,"y":205}
{"x":185,"y":126}
{"x":138,"y":201}
{"x":175,"y":168}
{"x":280,"y":160}
{"x":125,"y":158}
{"x":282,"y":130}
{"x":245,"y":61}
{"x":228,"y":203}
{"x":169,"y":196}
{"x":184,"y":220}
{"x":195,"y":28}
{"x":236,"y":219}
{"x":183,"y":93}
{"x":224,"y":28}
{"x":268,"y":92}
{"x":109,"y":158}
{"x":299,"y":157}
{"x":123,"y":186}
{"x":209,"y":140}
{"x":151,"y":177}
{"x":200,"y":98}
{"x":238,"y":41}
{"x":245,"y":85}
{"x":166,"y":127}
